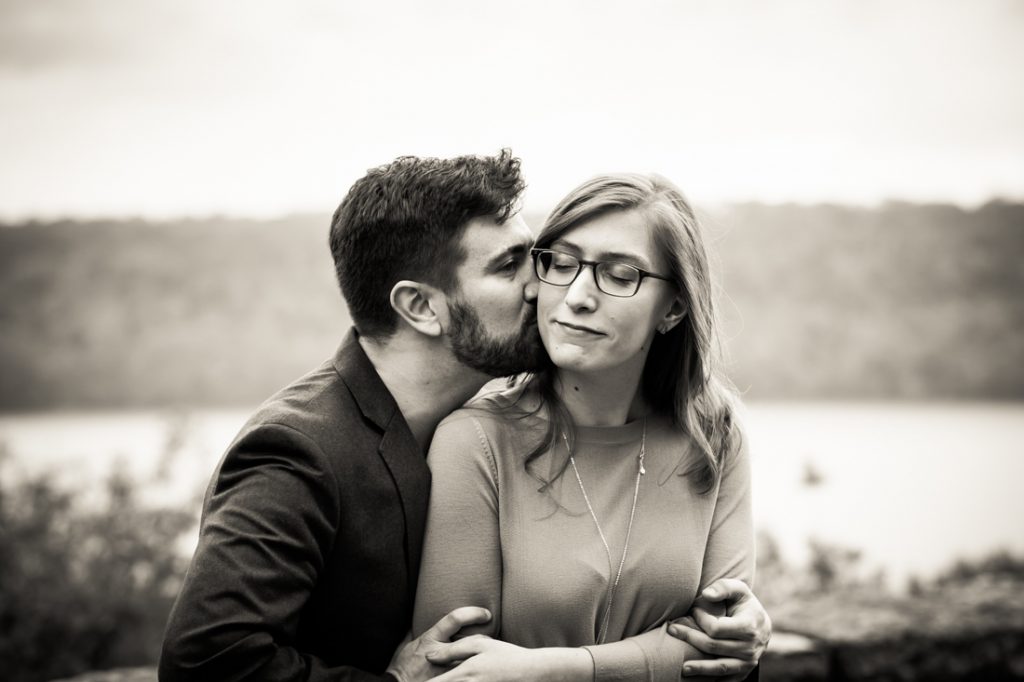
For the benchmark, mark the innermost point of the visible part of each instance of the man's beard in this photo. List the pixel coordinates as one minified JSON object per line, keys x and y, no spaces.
{"x":475,"y":348}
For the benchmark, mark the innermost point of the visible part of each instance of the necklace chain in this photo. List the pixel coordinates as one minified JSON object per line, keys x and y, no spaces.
{"x":640,"y":471}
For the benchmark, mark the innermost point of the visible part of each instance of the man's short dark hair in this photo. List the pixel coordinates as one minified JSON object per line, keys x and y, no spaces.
{"x":404,"y":220}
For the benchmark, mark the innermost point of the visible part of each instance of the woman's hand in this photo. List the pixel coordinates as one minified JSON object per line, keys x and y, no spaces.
{"x":729,"y":623}
{"x":481,"y":658}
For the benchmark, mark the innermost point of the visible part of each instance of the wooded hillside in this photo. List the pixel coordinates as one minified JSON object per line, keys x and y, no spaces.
{"x":903,"y":301}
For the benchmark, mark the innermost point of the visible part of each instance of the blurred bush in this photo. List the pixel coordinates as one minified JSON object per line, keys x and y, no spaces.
{"x":829,"y":568}
{"x":84,"y":586}
{"x":836,"y":569}
{"x":999,"y":566}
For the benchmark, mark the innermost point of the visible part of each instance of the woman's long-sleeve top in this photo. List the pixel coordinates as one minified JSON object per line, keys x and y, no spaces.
{"x":535,"y":558}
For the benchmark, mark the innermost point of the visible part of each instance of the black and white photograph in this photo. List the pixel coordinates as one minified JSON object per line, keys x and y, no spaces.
{"x":479,"y":342}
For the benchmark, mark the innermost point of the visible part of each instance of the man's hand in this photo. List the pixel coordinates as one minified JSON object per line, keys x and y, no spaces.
{"x":730,"y":623}
{"x":479,"y":657}
{"x":410,"y":664}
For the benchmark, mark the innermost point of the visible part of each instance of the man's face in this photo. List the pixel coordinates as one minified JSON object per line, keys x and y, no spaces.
{"x":493,"y":326}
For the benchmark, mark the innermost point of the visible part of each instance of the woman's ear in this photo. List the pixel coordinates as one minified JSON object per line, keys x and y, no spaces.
{"x":421,"y":306}
{"x":674,"y":316}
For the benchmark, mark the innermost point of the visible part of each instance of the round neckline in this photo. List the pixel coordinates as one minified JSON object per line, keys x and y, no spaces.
{"x":611,"y":435}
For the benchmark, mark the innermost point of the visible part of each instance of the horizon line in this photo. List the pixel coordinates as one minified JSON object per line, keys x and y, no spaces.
{"x":15,"y":220}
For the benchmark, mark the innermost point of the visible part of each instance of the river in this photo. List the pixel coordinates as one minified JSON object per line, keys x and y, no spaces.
{"x":913,"y":486}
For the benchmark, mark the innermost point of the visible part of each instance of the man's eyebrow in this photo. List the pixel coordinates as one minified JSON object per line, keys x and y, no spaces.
{"x":517,"y":250}
{"x":616,"y":256}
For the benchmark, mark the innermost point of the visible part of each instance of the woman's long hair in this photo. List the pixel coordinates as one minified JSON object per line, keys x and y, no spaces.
{"x":683,"y":376}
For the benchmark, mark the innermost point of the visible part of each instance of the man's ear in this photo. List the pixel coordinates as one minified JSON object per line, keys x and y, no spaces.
{"x":674,"y":316}
{"x":421,"y":306}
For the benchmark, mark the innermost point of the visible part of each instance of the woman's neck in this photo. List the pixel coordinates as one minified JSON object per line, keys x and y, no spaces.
{"x":601,"y":399}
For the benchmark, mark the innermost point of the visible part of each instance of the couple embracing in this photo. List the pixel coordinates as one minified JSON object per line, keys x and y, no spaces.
{"x":587,"y":518}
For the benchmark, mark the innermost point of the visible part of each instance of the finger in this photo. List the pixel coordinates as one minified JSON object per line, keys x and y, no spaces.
{"x":725,"y":627}
{"x":726,"y":588}
{"x":457,"y":619}
{"x":680,"y":629}
{"x":687,"y":621}
{"x":717,"y":647}
{"x":446,"y":654}
{"x":719,"y":667}
{"x":452,"y":675}
{"x":715,"y":609}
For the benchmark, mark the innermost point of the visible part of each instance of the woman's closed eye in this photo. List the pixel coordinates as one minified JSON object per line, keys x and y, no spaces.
{"x":620,"y":272}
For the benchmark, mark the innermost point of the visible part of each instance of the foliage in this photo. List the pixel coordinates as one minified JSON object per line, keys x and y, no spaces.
{"x":834,"y":570}
{"x":83,"y":586}
{"x":830,"y":568}
{"x":1001,"y":565}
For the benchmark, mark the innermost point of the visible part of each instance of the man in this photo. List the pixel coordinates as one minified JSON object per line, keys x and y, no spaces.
{"x":312,"y":526}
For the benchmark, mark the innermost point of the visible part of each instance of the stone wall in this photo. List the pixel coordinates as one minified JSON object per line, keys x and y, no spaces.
{"x":963,"y":633}
{"x":969,"y":632}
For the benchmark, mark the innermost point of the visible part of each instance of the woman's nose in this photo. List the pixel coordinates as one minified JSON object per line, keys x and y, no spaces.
{"x":582,"y":293}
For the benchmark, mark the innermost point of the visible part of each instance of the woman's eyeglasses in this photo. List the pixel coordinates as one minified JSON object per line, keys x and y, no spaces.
{"x":614,"y":279}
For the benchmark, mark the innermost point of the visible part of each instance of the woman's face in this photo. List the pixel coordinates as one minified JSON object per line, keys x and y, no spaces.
{"x":586,"y":330}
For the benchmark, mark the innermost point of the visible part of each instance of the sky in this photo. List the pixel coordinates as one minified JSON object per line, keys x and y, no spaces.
{"x":199,"y":107}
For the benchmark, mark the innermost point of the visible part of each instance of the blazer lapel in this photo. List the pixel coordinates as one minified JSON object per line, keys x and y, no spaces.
{"x":398,"y":448}
{"x":412,"y":478}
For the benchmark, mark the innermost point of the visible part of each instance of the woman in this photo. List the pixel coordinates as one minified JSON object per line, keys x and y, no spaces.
{"x":588,"y":506}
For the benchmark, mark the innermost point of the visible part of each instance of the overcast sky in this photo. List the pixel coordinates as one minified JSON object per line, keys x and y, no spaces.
{"x":192,"y":107}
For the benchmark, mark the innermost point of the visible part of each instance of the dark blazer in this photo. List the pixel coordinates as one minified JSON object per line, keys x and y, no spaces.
{"x":310,"y":540}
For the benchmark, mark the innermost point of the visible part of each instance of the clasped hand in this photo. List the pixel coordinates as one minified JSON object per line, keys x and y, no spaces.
{"x":412,"y":661}
{"x":479,"y":657}
{"x":432,"y":655}
{"x":728,"y":622}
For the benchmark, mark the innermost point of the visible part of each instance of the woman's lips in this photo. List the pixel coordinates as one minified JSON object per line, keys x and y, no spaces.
{"x":577,"y":329}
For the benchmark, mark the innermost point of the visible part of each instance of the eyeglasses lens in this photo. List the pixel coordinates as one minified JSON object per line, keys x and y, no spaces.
{"x":617,"y":279}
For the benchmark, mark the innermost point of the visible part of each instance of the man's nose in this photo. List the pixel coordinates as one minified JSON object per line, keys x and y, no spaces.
{"x":530,"y":291}
{"x":531,"y":285}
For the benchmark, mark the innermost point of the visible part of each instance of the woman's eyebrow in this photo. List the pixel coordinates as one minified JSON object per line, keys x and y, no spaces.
{"x":563,"y":244}
{"x":620,"y":257}
{"x":617,"y":256}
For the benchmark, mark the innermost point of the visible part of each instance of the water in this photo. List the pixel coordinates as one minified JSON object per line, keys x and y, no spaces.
{"x":913,"y":486}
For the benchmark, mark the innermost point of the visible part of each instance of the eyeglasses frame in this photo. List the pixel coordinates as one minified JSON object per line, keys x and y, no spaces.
{"x":536,"y":253}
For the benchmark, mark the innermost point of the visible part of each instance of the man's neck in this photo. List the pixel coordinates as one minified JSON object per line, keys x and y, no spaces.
{"x":423,"y":377}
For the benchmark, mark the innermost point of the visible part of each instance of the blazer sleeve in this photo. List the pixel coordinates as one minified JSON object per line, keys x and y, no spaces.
{"x":270,"y":519}
{"x":461,"y":564}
